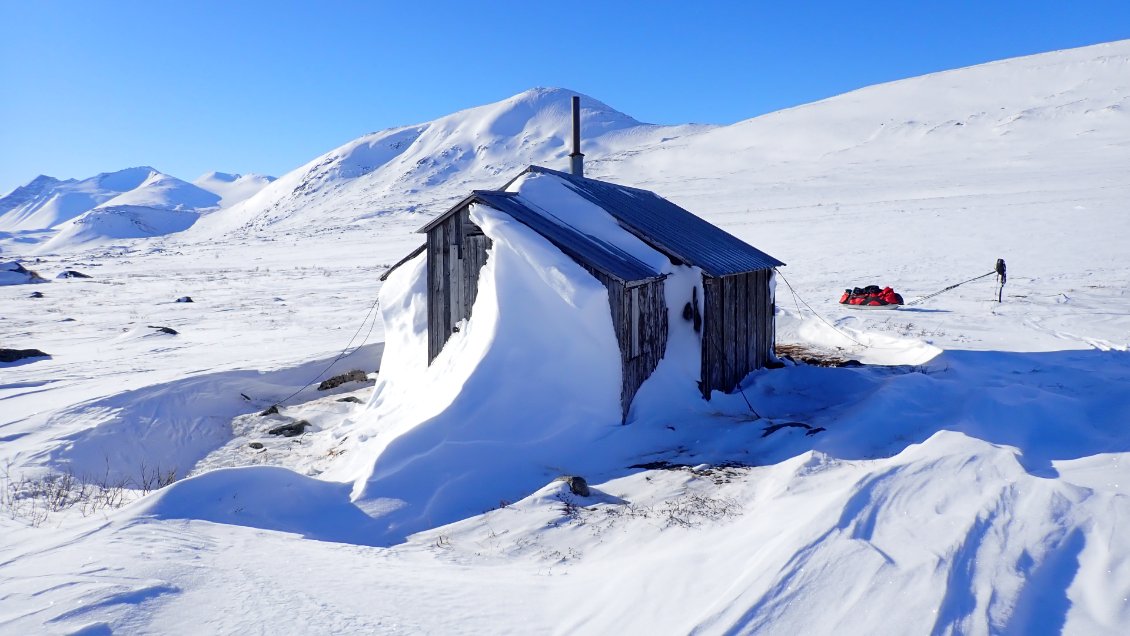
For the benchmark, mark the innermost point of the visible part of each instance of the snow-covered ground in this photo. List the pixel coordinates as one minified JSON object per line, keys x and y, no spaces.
{"x":967,"y":480}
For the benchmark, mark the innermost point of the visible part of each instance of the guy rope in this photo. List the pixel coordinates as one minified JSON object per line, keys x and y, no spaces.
{"x":999,"y":271}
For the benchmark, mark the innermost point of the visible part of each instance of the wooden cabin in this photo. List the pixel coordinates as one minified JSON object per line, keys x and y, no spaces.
{"x":732,"y":309}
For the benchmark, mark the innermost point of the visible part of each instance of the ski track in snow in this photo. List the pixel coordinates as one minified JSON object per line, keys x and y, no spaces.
{"x":970,"y":479}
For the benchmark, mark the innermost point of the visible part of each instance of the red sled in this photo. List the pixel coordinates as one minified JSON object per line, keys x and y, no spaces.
{"x":871,"y":297}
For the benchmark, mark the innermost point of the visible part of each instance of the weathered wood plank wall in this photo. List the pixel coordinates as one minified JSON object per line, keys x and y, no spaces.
{"x":457,"y":251}
{"x":738,"y":329}
{"x":650,"y":322}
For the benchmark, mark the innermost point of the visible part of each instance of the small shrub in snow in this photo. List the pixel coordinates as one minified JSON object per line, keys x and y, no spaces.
{"x":692,"y":510}
{"x":34,"y":499}
{"x":689,"y":510}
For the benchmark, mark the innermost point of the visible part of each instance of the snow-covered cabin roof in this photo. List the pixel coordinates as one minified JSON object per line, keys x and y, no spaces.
{"x":592,"y":250}
{"x":655,"y":220}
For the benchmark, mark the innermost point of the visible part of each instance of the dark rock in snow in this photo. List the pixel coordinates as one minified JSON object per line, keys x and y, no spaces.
{"x":168,"y":330}
{"x":70,"y":273}
{"x":15,"y":355}
{"x":355,"y":375}
{"x":256,"y":445}
{"x":274,"y":410}
{"x":351,"y":398}
{"x":36,"y":295}
{"x":292,"y":429}
{"x":184,"y":299}
{"x":577,"y":485}
{"x":773,"y":428}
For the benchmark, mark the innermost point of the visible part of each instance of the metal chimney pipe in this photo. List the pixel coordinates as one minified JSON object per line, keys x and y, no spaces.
{"x":577,"y":159}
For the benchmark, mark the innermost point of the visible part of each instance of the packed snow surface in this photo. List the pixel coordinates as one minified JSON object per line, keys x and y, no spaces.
{"x":232,"y":188}
{"x":966,"y":479}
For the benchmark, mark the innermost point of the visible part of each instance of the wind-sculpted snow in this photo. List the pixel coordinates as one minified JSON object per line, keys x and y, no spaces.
{"x":451,"y":439}
{"x":968,"y":478}
{"x":265,"y":497}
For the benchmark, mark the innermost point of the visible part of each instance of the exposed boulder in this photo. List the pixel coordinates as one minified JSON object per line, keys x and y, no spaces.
{"x":274,"y":410}
{"x":185,"y":299}
{"x":12,"y":273}
{"x":70,"y":273}
{"x":168,"y":330}
{"x":256,"y":445}
{"x":577,"y":485}
{"x":15,"y":355}
{"x":36,"y":295}
{"x":355,"y":375}
{"x":290,"y":429}
{"x":350,"y":398}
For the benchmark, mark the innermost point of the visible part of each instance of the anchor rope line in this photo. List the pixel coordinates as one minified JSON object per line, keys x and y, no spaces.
{"x":955,"y":285}
{"x":345,"y":353}
{"x":797,"y":297}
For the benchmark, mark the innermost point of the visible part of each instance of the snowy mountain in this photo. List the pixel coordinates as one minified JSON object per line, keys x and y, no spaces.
{"x":232,"y":188}
{"x":45,"y":201}
{"x":962,"y":472}
{"x":164,"y":192}
{"x":407,"y":168}
{"x":1013,"y":115}
{"x":131,"y":203}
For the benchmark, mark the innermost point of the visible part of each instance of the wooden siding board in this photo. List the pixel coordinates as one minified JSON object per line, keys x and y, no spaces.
{"x":741,"y":328}
{"x":737,"y":335}
{"x":713,"y":350}
{"x":753,"y":325}
{"x":475,"y":252}
{"x":771,"y":327}
{"x":769,"y":319}
{"x":436,"y":305}
{"x":730,"y":333}
{"x":766,"y":319}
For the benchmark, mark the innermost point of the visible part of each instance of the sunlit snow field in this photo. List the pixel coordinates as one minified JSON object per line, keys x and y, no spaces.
{"x":969,"y":478}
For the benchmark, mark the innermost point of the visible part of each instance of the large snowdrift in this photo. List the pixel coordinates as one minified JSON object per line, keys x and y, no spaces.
{"x":521,"y":394}
{"x":979,"y":493}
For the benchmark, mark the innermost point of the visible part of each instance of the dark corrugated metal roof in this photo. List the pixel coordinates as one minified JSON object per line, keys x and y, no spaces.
{"x":669,"y":227}
{"x":582,"y":247}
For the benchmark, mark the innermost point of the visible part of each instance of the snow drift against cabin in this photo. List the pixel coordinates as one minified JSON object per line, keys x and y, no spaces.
{"x":976,"y":491}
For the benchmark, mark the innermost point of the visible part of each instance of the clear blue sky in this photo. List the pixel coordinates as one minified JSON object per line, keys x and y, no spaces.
{"x":242,"y":86}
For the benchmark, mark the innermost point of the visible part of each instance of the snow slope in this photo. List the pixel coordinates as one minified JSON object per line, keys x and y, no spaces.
{"x":164,"y":192}
{"x":404,"y":169}
{"x":232,"y":188}
{"x":45,"y":202}
{"x":105,"y":208}
{"x":968,"y":480}
{"x":112,"y":222}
